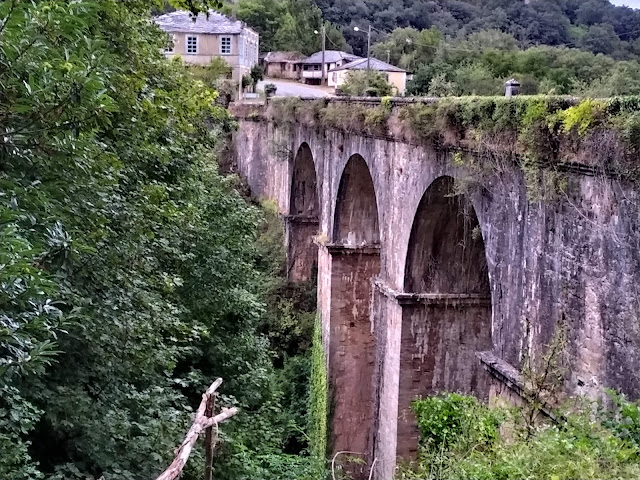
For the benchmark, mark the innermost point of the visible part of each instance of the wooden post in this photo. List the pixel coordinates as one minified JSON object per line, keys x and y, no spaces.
{"x":208,"y":440}
{"x":201,"y":422}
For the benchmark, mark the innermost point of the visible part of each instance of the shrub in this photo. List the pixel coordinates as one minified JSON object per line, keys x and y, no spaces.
{"x":460,"y":439}
{"x":448,"y":419}
{"x":356,"y":84}
{"x":270,"y":89}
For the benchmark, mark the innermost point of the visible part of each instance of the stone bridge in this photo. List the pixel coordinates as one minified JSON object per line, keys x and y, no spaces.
{"x":433,"y":278}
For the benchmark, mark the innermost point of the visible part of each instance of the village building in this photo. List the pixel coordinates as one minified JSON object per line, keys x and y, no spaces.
{"x":312,"y":66}
{"x":396,"y":76}
{"x":283,"y":64}
{"x":198,"y":40}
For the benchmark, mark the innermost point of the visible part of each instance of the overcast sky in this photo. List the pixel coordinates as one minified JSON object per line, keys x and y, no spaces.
{"x":630,"y":3}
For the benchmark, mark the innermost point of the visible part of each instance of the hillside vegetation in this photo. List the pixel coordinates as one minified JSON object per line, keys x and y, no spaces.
{"x":458,"y":47}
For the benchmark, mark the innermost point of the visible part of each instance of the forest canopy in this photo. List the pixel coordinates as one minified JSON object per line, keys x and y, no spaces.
{"x":468,"y":47}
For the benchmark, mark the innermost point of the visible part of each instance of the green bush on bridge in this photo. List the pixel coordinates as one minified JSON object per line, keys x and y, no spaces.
{"x":462,"y":439}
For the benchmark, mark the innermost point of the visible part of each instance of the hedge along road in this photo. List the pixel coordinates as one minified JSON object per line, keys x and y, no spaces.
{"x":291,"y":88}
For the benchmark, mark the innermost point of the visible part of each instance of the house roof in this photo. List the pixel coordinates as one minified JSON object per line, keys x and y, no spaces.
{"x":183,"y":21}
{"x":361,"y":64}
{"x":282,"y":57}
{"x":330,"y":56}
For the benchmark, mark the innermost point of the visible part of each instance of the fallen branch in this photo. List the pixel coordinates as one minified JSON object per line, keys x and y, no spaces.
{"x":200,"y":423}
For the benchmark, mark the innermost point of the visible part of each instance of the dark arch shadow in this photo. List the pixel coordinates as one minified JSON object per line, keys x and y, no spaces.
{"x":304,"y":184}
{"x":356,"y":213}
{"x":355,"y":260}
{"x":446,"y":249}
{"x":446,"y":307}
{"x":303,"y":218}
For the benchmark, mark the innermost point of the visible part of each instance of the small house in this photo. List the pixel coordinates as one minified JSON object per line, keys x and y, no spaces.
{"x":312,"y":66}
{"x":396,"y":76}
{"x":283,"y":64}
{"x":199,"y":39}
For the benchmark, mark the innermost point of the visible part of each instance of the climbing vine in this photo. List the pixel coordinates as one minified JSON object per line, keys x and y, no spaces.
{"x":318,"y":396}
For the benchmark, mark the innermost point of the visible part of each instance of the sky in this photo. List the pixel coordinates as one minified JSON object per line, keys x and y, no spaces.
{"x":630,"y":3}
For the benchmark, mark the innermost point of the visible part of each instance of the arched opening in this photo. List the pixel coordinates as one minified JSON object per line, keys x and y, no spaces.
{"x":355,"y":259}
{"x":356,"y":214}
{"x":446,"y":307}
{"x":302,"y":222}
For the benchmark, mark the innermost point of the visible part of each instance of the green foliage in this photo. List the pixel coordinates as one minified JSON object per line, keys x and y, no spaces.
{"x":217,"y":69}
{"x":463,"y":439}
{"x":595,"y":25}
{"x":256,"y":74}
{"x":481,"y":62}
{"x":247,"y":81}
{"x":270,"y":89}
{"x":448,"y":419}
{"x":582,"y":116}
{"x":287,"y":25}
{"x":318,"y":396}
{"x":133,"y":272}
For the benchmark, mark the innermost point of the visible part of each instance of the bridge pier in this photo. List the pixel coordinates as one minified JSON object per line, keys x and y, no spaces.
{"x":352,"y":349}
{"x":302,"y":252}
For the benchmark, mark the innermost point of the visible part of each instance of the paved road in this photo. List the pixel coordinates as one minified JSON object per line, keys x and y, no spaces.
{"x":294,"y":89}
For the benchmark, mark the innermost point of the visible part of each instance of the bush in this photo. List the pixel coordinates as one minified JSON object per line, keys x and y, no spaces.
{"x":270,"y":89}
{"x":256,"y":74}
{"x":356,"y":84}
{"x":460,"y":439}
{"x":449,"y":419}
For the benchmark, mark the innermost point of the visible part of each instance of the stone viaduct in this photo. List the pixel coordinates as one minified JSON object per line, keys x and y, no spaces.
{"x":424,"y":286}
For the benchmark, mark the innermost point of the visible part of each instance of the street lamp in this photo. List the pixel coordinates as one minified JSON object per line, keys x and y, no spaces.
{"x":357,"y":29}
{"x":324,"y":44}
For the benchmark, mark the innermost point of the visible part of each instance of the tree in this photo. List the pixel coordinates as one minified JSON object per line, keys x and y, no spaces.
{"x":363,"y":83}
{"x":131,"y":275}
{"x":600,"y":39}
{"x":591,"y":12}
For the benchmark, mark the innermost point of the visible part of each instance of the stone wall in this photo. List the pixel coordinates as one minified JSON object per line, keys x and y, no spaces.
{"x":573,"y":259}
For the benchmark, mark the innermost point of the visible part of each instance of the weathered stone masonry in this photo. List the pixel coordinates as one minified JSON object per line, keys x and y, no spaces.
{"x":414,"y":279}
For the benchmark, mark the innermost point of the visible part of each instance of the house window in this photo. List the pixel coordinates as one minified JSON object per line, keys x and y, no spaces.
{"x":192,"y":45}
{"x":225,"y":45}
{"x":171,"y":41}
{"x":316,"y":67}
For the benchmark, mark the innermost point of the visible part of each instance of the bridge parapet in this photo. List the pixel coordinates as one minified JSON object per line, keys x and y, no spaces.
{"x":564,"y":133}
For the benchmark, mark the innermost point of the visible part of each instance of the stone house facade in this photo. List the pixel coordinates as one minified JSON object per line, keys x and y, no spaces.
{"x":198,"y":40}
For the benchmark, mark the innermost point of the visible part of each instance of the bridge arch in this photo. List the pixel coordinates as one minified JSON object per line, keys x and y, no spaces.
{"x":446,"y":305}
{"x":356,"y":211}
{"x":355,"y":260}
{"x":303,"y":218}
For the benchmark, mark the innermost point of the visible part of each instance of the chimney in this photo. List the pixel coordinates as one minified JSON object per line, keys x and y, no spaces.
{"x":512,"y":88}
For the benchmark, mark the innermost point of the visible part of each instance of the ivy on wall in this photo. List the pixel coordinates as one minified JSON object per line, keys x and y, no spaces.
{"x":318,"y":396}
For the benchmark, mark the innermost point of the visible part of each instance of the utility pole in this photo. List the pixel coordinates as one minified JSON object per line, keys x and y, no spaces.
{"x":368,"y":56}
{"x":324,"y":46}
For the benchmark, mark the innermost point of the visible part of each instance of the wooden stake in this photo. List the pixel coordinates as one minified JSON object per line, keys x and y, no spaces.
{"x":200,"y":423}
{"x":208,"y":440}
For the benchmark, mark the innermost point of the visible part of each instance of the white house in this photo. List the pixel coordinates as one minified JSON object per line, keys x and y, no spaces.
{"x":396,"y":76}
{"x":312,"y":66}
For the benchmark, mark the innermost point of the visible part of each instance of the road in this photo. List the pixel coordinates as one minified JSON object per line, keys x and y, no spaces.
{"x":290,"y":88}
